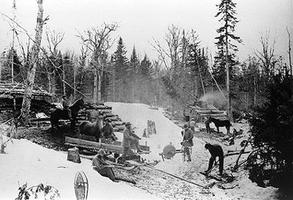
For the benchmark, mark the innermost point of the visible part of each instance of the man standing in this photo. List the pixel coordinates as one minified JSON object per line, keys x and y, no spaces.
{"x":215,"y":151}
{"x":207,"y":123}
{"x":128,"y":139}
{"x":187,"y":142}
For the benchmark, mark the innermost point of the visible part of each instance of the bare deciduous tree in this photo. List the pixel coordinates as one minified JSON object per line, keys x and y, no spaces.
{"x":267,"y":55}
{"x":26,"y":103}
{"x":98,"y":40}
{"x":53,"y":40}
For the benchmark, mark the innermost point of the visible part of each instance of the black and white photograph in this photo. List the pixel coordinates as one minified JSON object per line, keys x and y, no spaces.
{"x":146,"y":100}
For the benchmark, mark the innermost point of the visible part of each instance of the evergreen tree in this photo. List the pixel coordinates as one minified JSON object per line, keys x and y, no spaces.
{"x":121,"y":70}
{"x":145,"y":80}
{"x":226,"y":46}
{"x":226,"y":40}
{"x":11,"y":59}
{"x":133,"y":75}
{"x":272,"y":126}
{"x":197,"y":63}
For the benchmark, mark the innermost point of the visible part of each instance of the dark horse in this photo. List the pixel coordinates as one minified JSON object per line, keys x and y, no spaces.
{"x":63,"y":114}
{"x":92,"y":128}
{"x":220,"y":123}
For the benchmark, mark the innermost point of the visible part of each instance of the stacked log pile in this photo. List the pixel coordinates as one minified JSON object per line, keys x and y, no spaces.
{"x":92,"y":112}
{"x":199,"y":113}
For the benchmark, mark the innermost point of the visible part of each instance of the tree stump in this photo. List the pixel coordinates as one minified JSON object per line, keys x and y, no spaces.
{"x":73,"y":155}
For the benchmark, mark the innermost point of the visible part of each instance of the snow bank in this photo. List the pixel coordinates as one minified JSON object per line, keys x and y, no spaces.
{"x":26,"y":162}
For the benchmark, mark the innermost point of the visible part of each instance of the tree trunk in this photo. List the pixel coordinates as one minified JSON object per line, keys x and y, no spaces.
{"x":254,"y":91}
{"x":95,"y":86}
{"x":74,"y":82}
{"x":100,"y":86}
{"x":29,"y":83}
{"x":114,"y":84}
{"x":64,"y":79}
{"x":229,"y":107}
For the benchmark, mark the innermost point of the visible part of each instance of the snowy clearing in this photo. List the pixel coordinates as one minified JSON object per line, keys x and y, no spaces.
{"x":26,"y":162}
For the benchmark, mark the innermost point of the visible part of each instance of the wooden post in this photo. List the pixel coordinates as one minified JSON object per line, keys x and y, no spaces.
{"x":29,"y":84}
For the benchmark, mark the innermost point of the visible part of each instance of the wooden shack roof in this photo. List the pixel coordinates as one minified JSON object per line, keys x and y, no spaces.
{"x":16,"y":90}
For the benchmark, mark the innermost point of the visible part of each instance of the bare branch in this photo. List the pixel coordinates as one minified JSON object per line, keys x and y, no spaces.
{"x":53,"y":40}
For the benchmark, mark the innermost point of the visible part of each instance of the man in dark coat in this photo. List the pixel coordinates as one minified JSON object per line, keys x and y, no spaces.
{"x":65,"y":104}
{"x":215,"y":151}
{"x":105,"y":169}
{"x":108,"y":131}
{"x":207,"y":123}
{"x":187,"y":142}
{"x":99,"y":164}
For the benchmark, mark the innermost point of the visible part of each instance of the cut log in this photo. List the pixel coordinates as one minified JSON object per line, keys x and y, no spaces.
{"x":95,"y":146}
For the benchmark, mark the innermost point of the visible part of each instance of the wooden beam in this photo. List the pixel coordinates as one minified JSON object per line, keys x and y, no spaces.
{"x":117,"y":148}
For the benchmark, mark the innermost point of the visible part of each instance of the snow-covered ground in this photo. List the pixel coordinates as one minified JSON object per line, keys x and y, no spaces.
{"x":26,"y":162}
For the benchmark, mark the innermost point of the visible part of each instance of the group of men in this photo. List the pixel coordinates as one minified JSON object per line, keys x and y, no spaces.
{"x":214,"y":149}
{"x":130,"y":139}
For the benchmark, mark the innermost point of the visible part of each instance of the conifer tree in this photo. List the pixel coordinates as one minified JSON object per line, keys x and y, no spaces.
{"x":133,"y":75}
{"x":226,"y":58}
{"x":11,"y":59}
{"x":121,"y":69}
{"x":145,"y":80}
{"x":271,"y":128}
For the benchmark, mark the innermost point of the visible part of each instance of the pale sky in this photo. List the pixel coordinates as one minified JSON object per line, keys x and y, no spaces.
{"x":142,"y":20}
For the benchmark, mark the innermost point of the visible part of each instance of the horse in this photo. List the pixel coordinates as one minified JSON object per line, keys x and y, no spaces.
{"x":63,"y":114}
{"x":92,"y":128}
{"x":220,"y":123}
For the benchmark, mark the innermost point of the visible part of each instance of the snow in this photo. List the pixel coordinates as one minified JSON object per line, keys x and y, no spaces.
{"x":26,"y":162}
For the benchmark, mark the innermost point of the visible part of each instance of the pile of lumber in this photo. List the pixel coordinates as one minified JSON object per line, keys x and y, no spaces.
{"x":199,"y":113}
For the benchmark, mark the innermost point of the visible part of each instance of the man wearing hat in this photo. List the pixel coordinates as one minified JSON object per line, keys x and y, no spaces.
{"x":108,"y":131}
{"x":65,"y":104}
{"x":102,"y":167}
{"x":187,"y":142}
{"x":128,"y":139}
